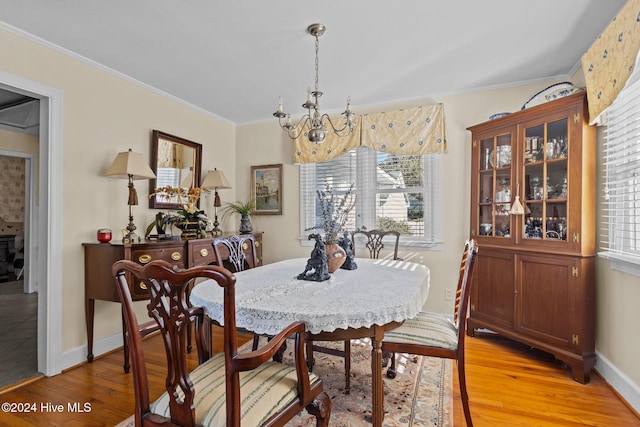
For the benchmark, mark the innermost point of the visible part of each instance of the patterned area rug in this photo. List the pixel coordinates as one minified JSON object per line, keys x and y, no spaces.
{"x":420,"y":395}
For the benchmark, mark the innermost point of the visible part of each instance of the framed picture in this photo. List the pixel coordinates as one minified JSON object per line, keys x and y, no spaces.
{"x":266,"y":189}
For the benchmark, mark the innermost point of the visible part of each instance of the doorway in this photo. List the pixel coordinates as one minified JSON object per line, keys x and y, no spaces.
{"x":19,"y":140}
{"x":43,"y":224}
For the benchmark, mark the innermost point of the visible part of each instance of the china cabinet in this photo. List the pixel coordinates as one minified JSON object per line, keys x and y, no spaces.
{"x":535,"y":268}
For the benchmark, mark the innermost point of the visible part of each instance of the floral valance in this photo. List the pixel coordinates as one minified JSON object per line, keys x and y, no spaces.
{"x":610,"y":60}
{"x":333,"y":146}
{"x":414,"y":131}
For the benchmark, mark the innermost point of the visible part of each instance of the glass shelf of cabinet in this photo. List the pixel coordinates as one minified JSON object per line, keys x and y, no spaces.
{"x":495,"y":186}
{"x":545,"y":181}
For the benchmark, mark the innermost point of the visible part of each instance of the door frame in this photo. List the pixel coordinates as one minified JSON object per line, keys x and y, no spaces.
{"x":45,"y":226}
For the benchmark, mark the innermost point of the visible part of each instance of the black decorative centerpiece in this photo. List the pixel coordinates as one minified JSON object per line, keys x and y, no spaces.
{"x":317,"y":269}
{"x":346,"y":244}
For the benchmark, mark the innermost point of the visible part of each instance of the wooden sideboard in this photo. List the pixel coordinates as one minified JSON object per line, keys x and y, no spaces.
{"x":99,"y":283}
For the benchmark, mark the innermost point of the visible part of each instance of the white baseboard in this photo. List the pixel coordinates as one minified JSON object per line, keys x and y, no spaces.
{"x":622,"y":384}
{"x":79,"y":354}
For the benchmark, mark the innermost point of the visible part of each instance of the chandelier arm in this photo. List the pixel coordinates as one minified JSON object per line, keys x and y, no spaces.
{"x":291,"y":130}
{"x":348,"y":124}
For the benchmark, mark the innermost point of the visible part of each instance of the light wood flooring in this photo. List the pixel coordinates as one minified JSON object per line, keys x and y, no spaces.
{"x":509,"y":385}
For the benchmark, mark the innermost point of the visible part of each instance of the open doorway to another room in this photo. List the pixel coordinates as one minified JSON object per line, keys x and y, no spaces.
{"x":19,"y":145}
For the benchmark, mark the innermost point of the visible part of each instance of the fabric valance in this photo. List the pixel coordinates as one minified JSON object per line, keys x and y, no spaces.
{"x":333,"y":146}
{"x":611,"y":58}
{"x":414,"y":131}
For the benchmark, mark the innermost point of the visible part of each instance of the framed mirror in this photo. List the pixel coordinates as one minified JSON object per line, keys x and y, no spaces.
{"x":177,"y":162}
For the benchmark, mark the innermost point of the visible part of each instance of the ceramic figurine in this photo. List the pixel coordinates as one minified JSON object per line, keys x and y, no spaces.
{"x":317,"y":269}
{"x":346,"y":244}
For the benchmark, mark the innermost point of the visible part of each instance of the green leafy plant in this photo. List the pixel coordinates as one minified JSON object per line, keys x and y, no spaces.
{"x":247,"y":208}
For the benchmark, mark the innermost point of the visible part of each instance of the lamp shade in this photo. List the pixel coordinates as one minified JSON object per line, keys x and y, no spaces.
{"x":129,"y":164}
{"x":215,"y":179}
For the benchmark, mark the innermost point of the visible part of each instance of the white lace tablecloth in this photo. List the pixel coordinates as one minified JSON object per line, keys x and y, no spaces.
{"x":270,"y":297}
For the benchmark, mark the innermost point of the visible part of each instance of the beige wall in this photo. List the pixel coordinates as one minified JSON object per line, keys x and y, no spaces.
{"x":104,"y":115}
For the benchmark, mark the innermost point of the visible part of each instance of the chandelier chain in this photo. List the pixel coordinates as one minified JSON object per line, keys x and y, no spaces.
{"x":317,"y":61}
{"x":315,"y":124}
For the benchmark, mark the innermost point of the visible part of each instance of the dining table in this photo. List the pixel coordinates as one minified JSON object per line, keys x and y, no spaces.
{"x":352,"y":304}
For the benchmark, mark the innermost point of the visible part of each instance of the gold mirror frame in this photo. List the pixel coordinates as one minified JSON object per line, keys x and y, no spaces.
{"x":179,"y":162}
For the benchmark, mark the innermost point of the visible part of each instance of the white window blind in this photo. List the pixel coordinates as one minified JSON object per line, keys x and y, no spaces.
{"x":394,"y":192}
{"x":621,"y":214}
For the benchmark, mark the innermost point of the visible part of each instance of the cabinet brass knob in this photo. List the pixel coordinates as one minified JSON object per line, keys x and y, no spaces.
{"x":143,"y":259}
{"x":245,"y":246}
{"x":143,"y":285}
{"x":257,"y":244}
{"x":204,"y":252}
{"x":176,"y":256}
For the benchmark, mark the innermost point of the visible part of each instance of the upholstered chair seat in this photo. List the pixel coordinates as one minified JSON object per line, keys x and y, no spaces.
{"x":426,"y":329}
{"x":264,"y":391}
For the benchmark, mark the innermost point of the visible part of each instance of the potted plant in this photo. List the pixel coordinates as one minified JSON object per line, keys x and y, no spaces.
{"x":190,"y":219}
{"x":245,"y":210}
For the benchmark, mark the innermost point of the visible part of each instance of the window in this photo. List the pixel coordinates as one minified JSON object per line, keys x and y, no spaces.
{"x":621,"y":214}
{"x":394,"y":192}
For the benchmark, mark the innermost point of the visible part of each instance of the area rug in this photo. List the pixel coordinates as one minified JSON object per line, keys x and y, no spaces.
{"x":420,"y":395}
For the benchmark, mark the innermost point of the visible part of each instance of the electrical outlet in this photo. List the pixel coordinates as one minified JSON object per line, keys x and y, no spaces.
{"x":449,"y":294}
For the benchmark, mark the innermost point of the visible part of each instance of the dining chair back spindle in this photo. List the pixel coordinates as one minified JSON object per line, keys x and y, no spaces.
{"x":241,"y":249}
{"x":221,"y":389}
{"x":375,"y":241}
{"x":242,"y":256}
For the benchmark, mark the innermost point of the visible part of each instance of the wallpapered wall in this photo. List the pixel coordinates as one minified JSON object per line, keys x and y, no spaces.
{"x":12,"y":184}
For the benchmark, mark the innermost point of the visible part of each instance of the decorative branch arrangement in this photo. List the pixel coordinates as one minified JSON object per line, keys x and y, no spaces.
{"x":334,"y":211}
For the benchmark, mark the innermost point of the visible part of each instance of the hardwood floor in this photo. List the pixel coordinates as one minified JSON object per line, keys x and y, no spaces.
{"x":509,"y":385}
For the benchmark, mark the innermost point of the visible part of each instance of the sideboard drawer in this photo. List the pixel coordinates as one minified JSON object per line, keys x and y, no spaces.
{"x":201,"y":252}
{"x":174,"y":255}
{"x":144,"y":255}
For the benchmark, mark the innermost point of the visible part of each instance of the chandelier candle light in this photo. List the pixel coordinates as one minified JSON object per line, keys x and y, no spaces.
{"x":316,"y":121}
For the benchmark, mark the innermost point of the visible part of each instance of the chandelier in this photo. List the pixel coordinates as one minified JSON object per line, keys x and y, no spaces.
{"x":316,"y":121}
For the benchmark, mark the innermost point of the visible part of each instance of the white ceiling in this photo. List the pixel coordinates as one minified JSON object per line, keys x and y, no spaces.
{"x":234,"y":58}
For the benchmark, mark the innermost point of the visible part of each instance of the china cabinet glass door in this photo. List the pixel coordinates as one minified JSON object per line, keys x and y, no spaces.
{"x":495,"y":186}
{"x":545,"y":181}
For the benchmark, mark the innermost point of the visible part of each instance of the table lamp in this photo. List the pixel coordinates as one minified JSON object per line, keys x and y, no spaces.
{"x":130,"y":165}
{"x":215,"y":179}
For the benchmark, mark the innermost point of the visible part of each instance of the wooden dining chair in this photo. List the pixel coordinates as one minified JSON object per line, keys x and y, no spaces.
{"x":227,"y":388}
{"x":242,"y":256}
{"x":436,"y":335}
{"x":375,"y":241}
{"x":241,"y":249}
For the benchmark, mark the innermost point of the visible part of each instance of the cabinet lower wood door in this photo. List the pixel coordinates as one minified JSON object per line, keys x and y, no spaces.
{"x":494,"y":301}
{"x":564,"y":327}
